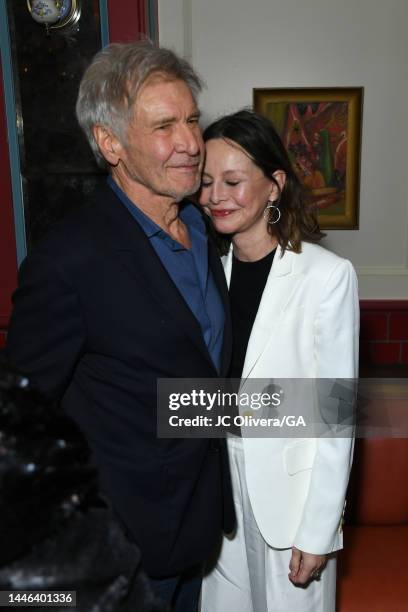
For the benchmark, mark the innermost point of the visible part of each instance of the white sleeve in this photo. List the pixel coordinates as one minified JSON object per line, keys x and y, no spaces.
{"x":336,"y":355}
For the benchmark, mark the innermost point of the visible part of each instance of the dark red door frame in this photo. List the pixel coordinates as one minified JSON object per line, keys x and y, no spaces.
{"x":127,"y":20}
{"x":8,"y":256}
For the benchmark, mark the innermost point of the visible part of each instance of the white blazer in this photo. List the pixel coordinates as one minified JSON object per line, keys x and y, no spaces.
{"x":307,"y":326}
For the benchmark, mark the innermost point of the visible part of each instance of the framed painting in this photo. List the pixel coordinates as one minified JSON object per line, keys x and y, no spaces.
{"x":321,"y":130}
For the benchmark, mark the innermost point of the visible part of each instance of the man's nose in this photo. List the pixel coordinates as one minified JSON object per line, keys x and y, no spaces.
{"x":189,"y":140}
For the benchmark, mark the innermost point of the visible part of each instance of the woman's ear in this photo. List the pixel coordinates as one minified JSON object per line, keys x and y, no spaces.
{"x":280,"y":178}
{"x":108,"y":144}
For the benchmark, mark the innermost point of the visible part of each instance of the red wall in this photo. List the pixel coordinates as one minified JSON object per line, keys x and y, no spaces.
{"x":127,"y":20}
{"x":8,"y":262}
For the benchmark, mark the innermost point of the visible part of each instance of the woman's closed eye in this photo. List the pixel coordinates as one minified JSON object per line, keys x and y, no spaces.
{"x":207,"y":183}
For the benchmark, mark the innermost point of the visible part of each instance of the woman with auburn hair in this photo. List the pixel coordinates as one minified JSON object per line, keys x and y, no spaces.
{"x":295,"y":315}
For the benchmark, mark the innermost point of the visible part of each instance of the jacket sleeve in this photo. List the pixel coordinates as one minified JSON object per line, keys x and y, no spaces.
{"x":46,"y":334}
{"x":336,"y":355}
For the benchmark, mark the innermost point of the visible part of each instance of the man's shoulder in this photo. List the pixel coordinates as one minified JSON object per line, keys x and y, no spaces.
{"x":80,"y":230}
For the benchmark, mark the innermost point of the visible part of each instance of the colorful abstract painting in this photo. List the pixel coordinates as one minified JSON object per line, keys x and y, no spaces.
{"x":321,"y":132}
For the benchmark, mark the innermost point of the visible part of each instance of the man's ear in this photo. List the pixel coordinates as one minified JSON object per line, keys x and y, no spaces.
{"x":280,"y":178}
{"x":108,"y":144}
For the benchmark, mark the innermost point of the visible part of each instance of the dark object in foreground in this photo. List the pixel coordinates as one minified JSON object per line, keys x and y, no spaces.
{"x":56,"y":531}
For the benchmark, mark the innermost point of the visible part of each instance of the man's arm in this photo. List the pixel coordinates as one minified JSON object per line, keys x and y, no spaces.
{"x":46,"y":333}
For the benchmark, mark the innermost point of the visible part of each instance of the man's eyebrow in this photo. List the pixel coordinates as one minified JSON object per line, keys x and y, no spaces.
{"x":196,"y":114}
{"x":164,"y":119}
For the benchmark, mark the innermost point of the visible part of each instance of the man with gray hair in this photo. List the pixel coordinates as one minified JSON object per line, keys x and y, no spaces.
{"x":128,"y":291}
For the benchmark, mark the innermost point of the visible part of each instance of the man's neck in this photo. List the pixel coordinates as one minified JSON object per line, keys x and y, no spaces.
{"x":163,"y":210}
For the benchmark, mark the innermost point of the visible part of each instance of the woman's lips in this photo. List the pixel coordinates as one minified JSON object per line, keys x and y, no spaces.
{"x":221,"y":213}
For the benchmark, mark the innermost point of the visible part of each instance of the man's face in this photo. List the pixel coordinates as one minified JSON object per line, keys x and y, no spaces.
{"x":164,"y":150}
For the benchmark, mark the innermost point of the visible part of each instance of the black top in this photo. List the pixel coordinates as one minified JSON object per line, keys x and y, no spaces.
{"x":248,"y":280}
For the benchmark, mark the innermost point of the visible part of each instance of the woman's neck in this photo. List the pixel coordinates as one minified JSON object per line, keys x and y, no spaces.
{"x":250,"y":248}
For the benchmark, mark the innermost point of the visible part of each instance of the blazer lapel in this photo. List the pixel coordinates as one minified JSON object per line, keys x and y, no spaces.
{"x":282,"y":281}
{"x":132,"y":248}
{"x":219,"y":277}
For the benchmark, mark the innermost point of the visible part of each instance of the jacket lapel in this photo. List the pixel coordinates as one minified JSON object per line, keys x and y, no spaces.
{"x":282,"y":281}
{"x":133,"y":250}
{"x":219,"y":277}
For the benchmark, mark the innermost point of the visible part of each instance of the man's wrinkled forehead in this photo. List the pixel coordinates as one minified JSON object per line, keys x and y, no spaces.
{"x":154,"y":78}
{"x":163,"y":100}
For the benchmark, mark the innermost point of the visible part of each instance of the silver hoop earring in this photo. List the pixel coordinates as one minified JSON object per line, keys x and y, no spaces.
{"x":273,"y":208}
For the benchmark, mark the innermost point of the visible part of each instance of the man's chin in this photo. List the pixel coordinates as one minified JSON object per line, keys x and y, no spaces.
{"x":181,"y":193}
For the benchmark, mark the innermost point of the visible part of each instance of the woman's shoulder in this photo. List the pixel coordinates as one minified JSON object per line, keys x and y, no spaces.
{"x":321,"y":256}
{"x":321,"y":264}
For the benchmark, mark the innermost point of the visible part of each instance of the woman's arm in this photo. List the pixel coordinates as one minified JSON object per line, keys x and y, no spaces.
{"x":336,"y":355}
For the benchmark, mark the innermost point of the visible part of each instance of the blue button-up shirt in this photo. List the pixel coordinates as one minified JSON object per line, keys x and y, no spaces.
{"x":188,"y":268}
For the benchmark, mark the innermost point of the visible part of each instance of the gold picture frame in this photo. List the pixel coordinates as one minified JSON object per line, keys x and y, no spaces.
{"x":321,"y":130}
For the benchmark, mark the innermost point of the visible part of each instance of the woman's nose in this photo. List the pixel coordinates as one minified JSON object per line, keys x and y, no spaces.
{"x":217,"y":194}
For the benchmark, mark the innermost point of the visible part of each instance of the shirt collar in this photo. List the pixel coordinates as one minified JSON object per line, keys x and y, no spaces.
{"x":188,"y":213}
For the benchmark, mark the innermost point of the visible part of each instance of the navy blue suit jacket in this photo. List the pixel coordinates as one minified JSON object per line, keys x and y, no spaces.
{"x":96,"y":321}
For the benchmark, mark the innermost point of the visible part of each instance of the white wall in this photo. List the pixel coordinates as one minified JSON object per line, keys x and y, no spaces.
{"x":237,"y":45}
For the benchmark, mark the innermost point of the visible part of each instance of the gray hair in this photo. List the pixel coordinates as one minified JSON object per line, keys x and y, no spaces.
{"x":110,"y":85}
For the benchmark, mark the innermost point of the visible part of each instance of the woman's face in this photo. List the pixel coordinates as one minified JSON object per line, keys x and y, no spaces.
{"x":234,"y":191}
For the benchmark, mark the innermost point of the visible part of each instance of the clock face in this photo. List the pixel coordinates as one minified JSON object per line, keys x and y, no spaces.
{"x":45,"y":11}
{"x":54,"y":13}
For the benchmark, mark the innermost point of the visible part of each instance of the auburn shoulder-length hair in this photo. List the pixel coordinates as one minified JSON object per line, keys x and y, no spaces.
{"x":257,"y":137}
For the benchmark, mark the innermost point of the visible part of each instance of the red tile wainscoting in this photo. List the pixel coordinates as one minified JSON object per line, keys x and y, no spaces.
{"x":399,"y":326}
{"x":384,"y":332}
